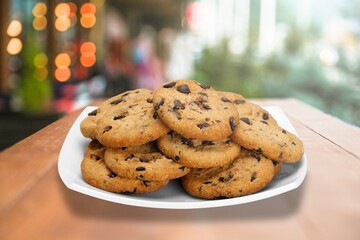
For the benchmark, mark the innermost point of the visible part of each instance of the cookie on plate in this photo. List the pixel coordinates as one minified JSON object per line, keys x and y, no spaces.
{"x":194,"y":110}
{"x":89,"y":124}
{"x":130,"y":122}
{"x":143,"y":162}
{"x":198,"y":153}
{"x":247,"y":174}
{"x":255,"y":133}
{"x":95,"y":173}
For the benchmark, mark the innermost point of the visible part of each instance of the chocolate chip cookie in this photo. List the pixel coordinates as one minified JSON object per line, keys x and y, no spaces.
{"x":130,"y":122}
{"x":95,"y":173}
{"x":143,"y":162}
{"x":198,"y":153}
{"x":247,"y":174}
{"x":194,"y":110}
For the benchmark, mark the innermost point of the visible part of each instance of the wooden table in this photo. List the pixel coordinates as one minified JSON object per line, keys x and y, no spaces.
{"x":35,"y":204}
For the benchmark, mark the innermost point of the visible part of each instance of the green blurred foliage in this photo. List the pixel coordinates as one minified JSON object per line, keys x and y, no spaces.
{"x":289,"y":73}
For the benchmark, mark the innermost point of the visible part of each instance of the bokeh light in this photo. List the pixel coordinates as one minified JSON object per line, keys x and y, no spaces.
{"x":39,"y":9}
{"x":39,"y":23}
{"x":14,"y":29}
{"x":62,"y":74}
{"x":62,"y":60}
{"x":87,"y":48}
{"x":62,"y":10}
{"x":62,"y":24}
{"x":88,"y":20}
{"x":87,"y":60}
{"x":40,"y":60}
{"x":14,"y":46}
{"x":88,"y":8}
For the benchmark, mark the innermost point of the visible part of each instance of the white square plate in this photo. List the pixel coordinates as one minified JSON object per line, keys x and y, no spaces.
{"x":172,"y":196}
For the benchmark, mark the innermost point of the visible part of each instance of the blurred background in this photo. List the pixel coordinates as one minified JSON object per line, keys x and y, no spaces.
{"x":57,"y":56}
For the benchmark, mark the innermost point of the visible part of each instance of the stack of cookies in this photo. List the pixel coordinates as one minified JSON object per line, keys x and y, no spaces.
{"x":218,"y":143}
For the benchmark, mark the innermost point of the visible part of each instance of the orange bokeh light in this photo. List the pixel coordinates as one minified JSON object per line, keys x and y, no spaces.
{"x":62,"y":74}
{"x":88,"y":48}
{"x":88,"y":60}
{"x":39,"y":23}
{"x":62,"y":60}
{"x":14,"y":28}
{"x":39,"y":9}
{"x":62,"y":10}
{"x":14,"y":46}
{"x":88,"y":20}
{"x":62,"y":24}
{"x":88,"y":8}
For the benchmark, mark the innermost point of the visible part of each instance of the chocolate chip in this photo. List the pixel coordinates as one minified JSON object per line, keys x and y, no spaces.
{"x":123,"y":148}
{"x":147,"y":183}
{"x":187,"y":141}
{"x":160,"y":103}
{"x":169,"y":85}
{"x":178,"y":105}
{"x":207,"y":143}
{"x":112,"y":175}
{"x":121,"y":116}
{"x":245,"y":120}
{"x":253,"y":177}
{"x":264,"y":122}
{"x":207,"y":182}
{"x":143,"y":159}
{"x":129,"y":157}
{"x":149,"y":100}
{"x":107,"y":128}
{"x":232,"y":123}
{"x":293,"y":143}
{"x":206,"y":107}
{"x":176,"y":158}
{"x":117,"y":101}
{"x":224,"y":99}
{"x":155,"y":115}
{"x":92,"y":113}
{"x":265,"y":116}
{"x":239,"y":101}
{"x":275,"y":163}
{"x":140,"y":169}
{"x":140,"y":176}
{"x":221,"y":179}
{"x":203,"y":125}
{"x":184,"y":88}
{"x":257,"y":157}
{"x":205,"y":86}
{"x":283,"y":131}
{"x":97,"y":158}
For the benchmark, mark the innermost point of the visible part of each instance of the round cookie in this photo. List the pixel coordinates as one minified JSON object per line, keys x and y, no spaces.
{"x":255,"y":133}
{"x":89,"y":124}
{"x":194,"y":110}
{"x":130,"y":122}
{"x":143,"y":162}
{"x":95,"y":173}
{"x":198,"y":153}
{"x":246,"y":107}
{"x":247,"y":174}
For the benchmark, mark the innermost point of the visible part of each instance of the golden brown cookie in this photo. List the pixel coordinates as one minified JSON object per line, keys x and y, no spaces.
{"x":143,"y":162}
{"x":95,"y":173}
{"x":247,"y":174}
{"x":194,"y":110}
{"x":198,"y":153}
{"x":129,"y":122}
